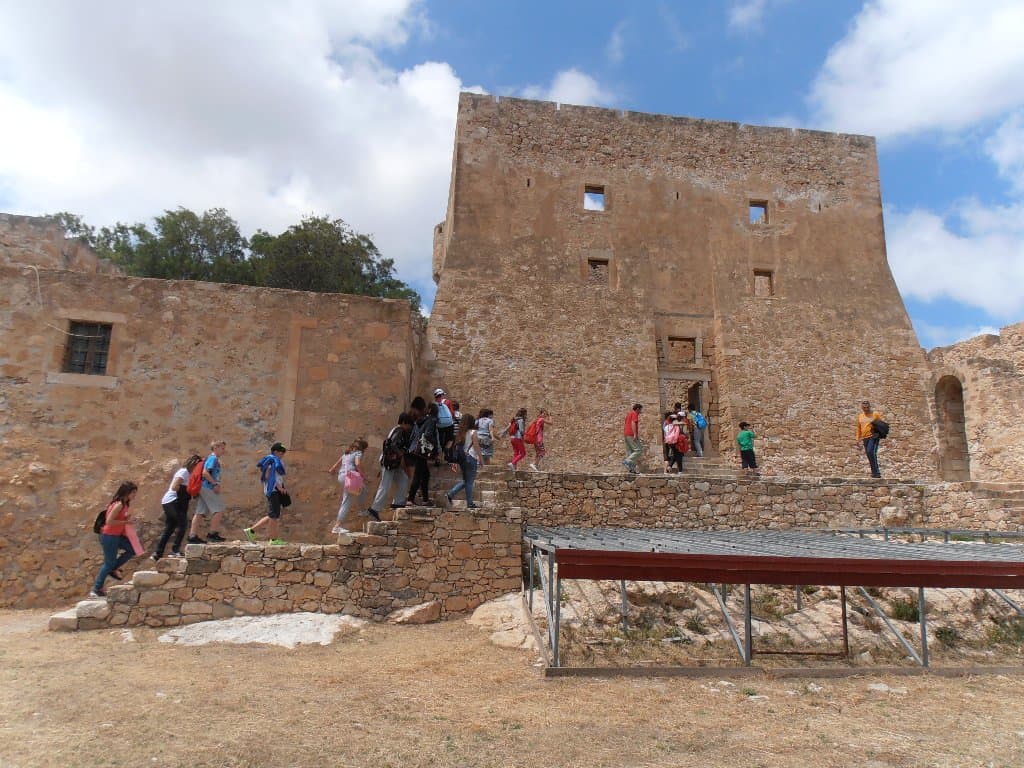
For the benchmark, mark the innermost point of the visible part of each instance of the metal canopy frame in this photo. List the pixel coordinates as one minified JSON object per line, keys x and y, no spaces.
{"x":842,"y":558}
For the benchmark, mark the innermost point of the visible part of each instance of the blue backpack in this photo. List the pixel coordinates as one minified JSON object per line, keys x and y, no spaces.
{"x":699,"y":420}
{"x":444,"y":416}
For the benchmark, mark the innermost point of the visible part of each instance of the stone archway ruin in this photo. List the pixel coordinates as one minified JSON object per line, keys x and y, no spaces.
{"x":954,"y":460}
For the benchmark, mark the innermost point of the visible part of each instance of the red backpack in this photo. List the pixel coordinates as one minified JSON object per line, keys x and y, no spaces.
{"x":532,"y":432}
{"x":195,"y":479}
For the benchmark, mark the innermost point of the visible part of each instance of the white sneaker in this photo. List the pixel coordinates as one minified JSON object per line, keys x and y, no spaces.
{"x":511,"y":465}
{"x":533,"y":467}
{"x":339,"y":530}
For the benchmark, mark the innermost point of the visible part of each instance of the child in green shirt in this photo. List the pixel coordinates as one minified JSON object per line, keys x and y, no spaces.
{"x":745,"y":440}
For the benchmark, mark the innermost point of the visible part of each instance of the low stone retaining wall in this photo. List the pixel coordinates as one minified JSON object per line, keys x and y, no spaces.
{"x":657,"y":501}
{"x":457,"y":559}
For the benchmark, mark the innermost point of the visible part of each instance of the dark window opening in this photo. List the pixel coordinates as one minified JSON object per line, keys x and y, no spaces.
{"x":680,"y":351}
{"x":758,"y":212}
{"x":677,"y":195}
{"x":88,"y":348}
{"x":593,"y":198}
{"x":528,"y":183}
{"x":598,"y":272}
{"x":764,"y":284}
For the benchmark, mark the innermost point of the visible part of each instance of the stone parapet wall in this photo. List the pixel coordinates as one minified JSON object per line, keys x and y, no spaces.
{"x":459,"y":560}
{"x":752,"y":504}
{"x":40,"y":242}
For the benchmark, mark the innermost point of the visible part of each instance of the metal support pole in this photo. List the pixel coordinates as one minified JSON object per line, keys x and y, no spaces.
{"x":532,"y":566}
{"x":1010,"y":602}
{"x":748,"y":650}
{"x":846,"y":625}
{"x":728,"y":621}
{"x":924,"y":626}
{"x":799,"y":598}
{"x":881,"y":614}
{"x":558,"y":619}
{"x":885,"y":534}
{"x":722,"y":588}
{"x":552,"y":608}
{"x":625,"y":606}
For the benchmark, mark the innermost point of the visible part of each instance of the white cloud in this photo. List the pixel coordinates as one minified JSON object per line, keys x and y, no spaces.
{"x":943,"y":335}
{"x":1006,"y":148}
{"x":982,"y":267}
{"x":673,"y":29}
{"x":747,"y":14}
{"x":272,"y":110}
{"x":908,"y":66}
{"x":571,"y":86}
{"x":615,"y":49}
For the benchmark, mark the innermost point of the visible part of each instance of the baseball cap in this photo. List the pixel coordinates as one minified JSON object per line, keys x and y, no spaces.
{"x":438,"y":391}
{"x":277,"y":447}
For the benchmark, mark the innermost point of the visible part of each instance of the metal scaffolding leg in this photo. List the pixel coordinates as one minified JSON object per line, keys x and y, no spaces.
{"x":1009,"y":601}
{"x":748,"y":649}
{"x":558,"y":619}
{"x":846,"y":624}
{"x":532,"y":566}
{"x":924,"y":626}
{"x":881,"y":614}
{"x":728,"y":621}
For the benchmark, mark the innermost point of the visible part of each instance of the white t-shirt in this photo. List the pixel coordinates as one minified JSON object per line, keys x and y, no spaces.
{"x":467,"y":446}
{"x":172,"y":495}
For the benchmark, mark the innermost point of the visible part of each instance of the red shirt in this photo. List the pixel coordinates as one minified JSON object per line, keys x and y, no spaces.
{"x":113,"y":527}
{"x":632,"y":428}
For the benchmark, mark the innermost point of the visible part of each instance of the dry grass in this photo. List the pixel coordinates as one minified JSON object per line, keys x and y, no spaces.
{"x":443,"y":696}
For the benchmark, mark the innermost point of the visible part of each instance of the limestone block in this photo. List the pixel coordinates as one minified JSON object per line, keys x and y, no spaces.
{"x":149,"y":578}
{"x":197,"y":566}
{"x":248,"y":605}
{"x":282,"y":551}
{"x":222,"y":611}
{"x":92,"y":609}
{"x":123,"y":593}
{"x":417,"y":614}
{"x":232,"y":565}
{"x":220,"y":581}
{"x":89,"y":623}
{"x":155,"y":597}
{"x":456,"y":604}
{"x":65,"y":621}
{"x":196,"y":608}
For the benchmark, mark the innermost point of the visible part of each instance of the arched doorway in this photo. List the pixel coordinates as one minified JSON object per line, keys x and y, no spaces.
{"x":954,"y":461}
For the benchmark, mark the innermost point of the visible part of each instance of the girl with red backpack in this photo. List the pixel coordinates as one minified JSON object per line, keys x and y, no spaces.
{"x":535,"y":437}
{"x":515,"y":430}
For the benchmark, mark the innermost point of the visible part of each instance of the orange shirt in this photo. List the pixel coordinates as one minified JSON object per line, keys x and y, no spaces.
{"x":115,"y":526}
{"x":864,"y":424}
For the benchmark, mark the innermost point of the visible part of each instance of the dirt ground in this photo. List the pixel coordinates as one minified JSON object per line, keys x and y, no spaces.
{"x":443,"y":695}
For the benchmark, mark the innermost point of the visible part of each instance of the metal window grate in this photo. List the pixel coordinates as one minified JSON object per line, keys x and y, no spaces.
{"x":88,"y":348}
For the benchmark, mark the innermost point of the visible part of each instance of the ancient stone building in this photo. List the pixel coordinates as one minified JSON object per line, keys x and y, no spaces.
{"x":592,"y":258}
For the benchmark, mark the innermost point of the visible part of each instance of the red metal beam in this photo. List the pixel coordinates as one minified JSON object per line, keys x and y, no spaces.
{"x":747,"y":569}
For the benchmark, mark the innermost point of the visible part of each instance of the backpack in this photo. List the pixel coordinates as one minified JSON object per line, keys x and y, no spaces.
{"x":513,"y":428}
{"x":879,"y":429}
{"x":391,"y":454}
{"x":100,"y":521}
{"x":532,"y":432}
{"x":195,"y":479}
{"x":444,"y":415}
{"x":699,"y":420}
{"x":672,"y":434}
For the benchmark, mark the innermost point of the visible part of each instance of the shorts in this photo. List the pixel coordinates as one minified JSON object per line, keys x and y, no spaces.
{"x":487,"y":448}
{"x":209,"y":502}
{"x":748,"y":460}
{"x":274,"y":506}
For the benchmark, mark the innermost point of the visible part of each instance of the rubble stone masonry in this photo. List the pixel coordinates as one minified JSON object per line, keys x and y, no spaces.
{"x":787,"y":322}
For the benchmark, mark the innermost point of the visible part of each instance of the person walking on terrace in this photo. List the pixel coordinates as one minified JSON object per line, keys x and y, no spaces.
{"x":868,"y":436}
{"x":485,"y":434}
{"x":700,"y":424}
{"x":175,"y":505}
{"x":211,"y":502}
{"x":392,"y":467}
{"x":467,"y":459}
{"x":349,"y":467}
{"x":745,"y":441}
{"x":631,"y":434}
{"x":272,"y":474}
{"x":424,"y":445}
{"x":515,"y":430}
{"x":117,"y":547}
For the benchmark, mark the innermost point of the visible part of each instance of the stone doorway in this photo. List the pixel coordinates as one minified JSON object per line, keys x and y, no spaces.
{"x":692,"y":393}
{"x":954,"y":459}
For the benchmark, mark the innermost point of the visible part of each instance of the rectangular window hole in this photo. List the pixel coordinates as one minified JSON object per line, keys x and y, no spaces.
{"x":88,"y":346}
{"x":764,"y":284}
{"x":758,"y":212}
{"x":681,"y":350}
{"x":529,"y":183}
{"x":593,"y":198}
{"x":598,"y":272}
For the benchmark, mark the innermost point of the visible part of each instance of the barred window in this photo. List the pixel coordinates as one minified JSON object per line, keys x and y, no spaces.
{"x":87,"y":348}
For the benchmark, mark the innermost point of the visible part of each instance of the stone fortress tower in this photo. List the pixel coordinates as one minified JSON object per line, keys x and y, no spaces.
{"x":593,"y":258}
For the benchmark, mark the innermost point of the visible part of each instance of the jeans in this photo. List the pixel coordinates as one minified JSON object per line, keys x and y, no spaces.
{"x":698,"y":440}
{"x":346,"y":502}
{"x":469,"y":469}
{"x":633,"y":450}
{"x":176,"y":522}
{"x":871,"y":449}
{"x":389,"y":477}
{"x":111,"y":560}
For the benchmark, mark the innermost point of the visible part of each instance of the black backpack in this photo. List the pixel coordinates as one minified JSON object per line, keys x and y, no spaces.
{"x":879,"y":429}
{"x":391,"y":452}
{"x":100,"y":521}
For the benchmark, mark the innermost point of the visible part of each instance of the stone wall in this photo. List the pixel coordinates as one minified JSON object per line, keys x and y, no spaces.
{"x":543,"y":302}
{"x":188,"y":362}
{"x":41,"y":243}
{"x":457,"y":559}
{"x":752,"y":504}
{"x":977,"y":396}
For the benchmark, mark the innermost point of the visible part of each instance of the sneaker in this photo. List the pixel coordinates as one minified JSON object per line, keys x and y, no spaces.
{"x":472,"y":506}
{"x":533,"y":467}
{"x":278,"y":542}
{"x":214,"y":536}
{"x":399,"y":506}
{"x":175,"y":554}
{"x":97,"y":594}
{"x":512,"y":466}
{"x":196,"y":540}
{"x":339,"y":530}
{"x":373,"y":513}
{"x":117,"y":575}
{"x":627,"y":465}
{"x":250,"y":534}
{"x":155,"y":557}
{"x":447,"y":502}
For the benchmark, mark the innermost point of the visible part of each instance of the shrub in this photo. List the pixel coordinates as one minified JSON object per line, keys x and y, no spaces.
{"x":1009,"y":631}
{"x":904,"y":610}
{"x":948,"y":636}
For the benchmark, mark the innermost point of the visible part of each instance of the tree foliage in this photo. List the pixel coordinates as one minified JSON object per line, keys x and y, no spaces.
{"x":318,"y":254}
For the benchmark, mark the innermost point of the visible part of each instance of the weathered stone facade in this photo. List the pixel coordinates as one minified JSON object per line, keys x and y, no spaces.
{"x":457,"y":559}
{"x":978,"y":395}
{"x":671,"y":291}
{"x":40,"y":242}
{"x":188,"y":362}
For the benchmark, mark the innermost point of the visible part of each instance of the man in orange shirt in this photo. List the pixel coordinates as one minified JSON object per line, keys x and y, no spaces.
{"x":866,"y":435}
{"x":631,"y":432}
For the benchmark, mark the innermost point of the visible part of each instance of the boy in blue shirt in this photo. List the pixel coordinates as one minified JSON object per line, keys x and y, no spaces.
{"x":272,"y":474}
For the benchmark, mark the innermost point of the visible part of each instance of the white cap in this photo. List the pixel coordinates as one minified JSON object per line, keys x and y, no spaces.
{"x":438,"y":391}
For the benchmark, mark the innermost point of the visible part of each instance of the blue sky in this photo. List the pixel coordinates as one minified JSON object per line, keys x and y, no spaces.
{"x":277,"y":109}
